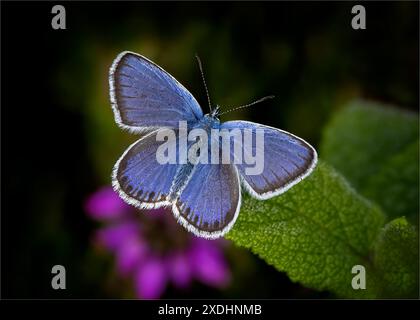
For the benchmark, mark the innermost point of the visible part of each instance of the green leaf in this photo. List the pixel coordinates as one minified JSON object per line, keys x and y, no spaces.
{"x":363,"y":136}
{"x":397,"y":259}
{"x":376,"y":149}
{"x":316,"y":232}
{"x":396,"y":186}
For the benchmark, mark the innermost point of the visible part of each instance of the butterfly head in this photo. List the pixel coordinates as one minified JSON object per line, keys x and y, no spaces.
{"x":211,"y":119}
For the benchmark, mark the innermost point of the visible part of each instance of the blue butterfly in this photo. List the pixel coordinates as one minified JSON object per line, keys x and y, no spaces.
{"x":205,"y":198}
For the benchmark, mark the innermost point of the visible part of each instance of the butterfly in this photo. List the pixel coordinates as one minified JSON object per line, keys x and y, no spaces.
{"x":205,"y":198}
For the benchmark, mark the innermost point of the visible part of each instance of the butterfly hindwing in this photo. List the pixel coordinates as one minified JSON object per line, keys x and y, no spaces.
{"x":209,"y":204}
{"x":287,"y":160}
{"x":138,"y":176}
{"x":145,"y":97}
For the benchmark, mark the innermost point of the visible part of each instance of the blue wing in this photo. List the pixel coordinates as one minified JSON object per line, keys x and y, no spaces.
{"x":287,"y":160}
{"x":145,"y":97}
{"x":140,"y":179}
{"x":209,"y":203}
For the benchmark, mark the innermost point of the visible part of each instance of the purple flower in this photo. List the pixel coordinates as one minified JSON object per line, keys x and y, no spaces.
{"x":152,"y":249}
{"x":104,"y":204}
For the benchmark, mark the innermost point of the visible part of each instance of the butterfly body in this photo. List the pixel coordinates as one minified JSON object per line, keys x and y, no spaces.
{"x":204,"y":197}
{"x":206,"y":123}
{"x":180,"y":180}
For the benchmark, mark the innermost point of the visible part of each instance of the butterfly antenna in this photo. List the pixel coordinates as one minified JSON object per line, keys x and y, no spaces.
{"x":204,"y":80}
{"x":249,"y":104}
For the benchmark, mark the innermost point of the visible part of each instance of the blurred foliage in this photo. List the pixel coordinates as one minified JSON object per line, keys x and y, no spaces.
{"x":377,"y":149}
{"x":397,"y":260}
{"x":396,"y":186}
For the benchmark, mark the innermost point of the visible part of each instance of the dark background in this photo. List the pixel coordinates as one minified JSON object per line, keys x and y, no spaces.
{"x":55,"y":150}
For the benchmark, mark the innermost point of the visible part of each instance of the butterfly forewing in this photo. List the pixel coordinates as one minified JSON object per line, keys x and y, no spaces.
{"x":146,"y":97}
{"x":287,"y":160}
